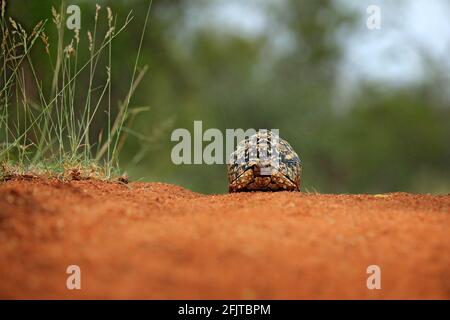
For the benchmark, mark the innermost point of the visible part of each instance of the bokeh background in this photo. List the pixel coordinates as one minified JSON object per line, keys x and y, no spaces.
{"x":366,"y":110}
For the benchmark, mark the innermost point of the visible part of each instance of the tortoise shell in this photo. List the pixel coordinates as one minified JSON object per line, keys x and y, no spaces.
{"x":264,"y":162}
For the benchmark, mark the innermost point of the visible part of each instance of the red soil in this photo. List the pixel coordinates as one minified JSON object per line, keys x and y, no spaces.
{"x":153,"y":240}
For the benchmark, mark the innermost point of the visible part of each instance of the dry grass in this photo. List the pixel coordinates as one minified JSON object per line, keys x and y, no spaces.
{"x":50,"y":132}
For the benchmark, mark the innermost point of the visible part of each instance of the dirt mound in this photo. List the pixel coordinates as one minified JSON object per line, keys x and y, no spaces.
{"x":154,"y":240}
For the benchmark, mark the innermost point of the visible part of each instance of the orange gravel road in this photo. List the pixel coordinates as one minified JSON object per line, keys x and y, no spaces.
{"x":159,"y":241}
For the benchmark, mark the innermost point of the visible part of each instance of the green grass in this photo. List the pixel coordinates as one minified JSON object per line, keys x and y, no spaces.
{"x":50,"y":132}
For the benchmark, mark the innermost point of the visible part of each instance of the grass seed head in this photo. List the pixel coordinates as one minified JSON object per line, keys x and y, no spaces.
{"x":36,"y":29}
{"x":69,"y":50}
{"x":77,"y":35}
{"x":3,"y":8}
{"x":91,"y":41}
{"x":13,"y":23}
{"x":109,"y":33}
{"x":56,"y":17}
{"x":18,"y":29}
{"x":110,"y":16}
{"x":97,"y":9}
{"x":44,"y":39}
{"x":4,"y":40}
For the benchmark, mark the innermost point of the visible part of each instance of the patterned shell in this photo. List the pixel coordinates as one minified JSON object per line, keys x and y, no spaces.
{"x":264,"y":162}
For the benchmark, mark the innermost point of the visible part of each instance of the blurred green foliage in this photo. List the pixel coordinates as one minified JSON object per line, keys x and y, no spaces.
{"x":383,"y":139}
